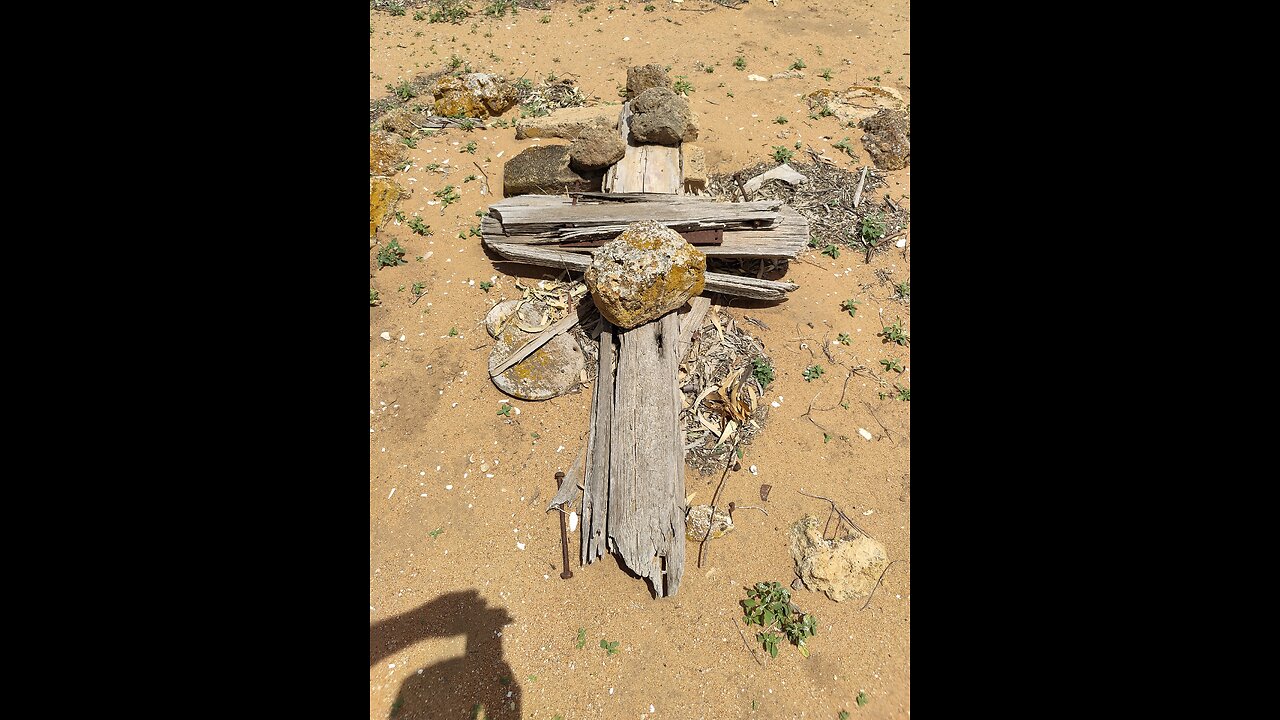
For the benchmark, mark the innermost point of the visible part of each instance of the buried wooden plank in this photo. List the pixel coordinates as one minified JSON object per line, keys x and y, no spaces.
{"x":579,"y":262}
{"x":554,"y":221}
{"x":595,"y":485}
{"x":646,"y":465}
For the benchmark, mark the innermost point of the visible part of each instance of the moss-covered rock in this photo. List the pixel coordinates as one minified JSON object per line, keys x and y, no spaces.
{"x":888,"y":139}
{"x":476,"y":95}
{"x":383,"y":195}
{"x":387,"y":153}
{"x":646,"y":272}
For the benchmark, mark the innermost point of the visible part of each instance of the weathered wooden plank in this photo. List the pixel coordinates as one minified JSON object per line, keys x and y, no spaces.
{"x":553,"y":218}
{"x":646,"y":478}
{"x":784,"y":241}
{"x":691,"y":321}
{"x":579,"y":262}
{"x":661,"y":170}
{"x":595,"y":497}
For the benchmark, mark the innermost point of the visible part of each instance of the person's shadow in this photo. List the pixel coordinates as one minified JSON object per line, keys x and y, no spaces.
{"x":480,"y":684}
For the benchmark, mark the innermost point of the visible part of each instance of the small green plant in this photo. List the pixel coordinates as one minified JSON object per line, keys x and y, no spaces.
{"x":432,"y":167}
{"x":729,"y":94}
{"x":903,"y":289}
{"x":455,"y":62}
{"x":813,"y":372}
{"x":373,"y":298}
{"x":904,"y":393}
{"x":814,"y":242}
{"x":798,"y":65}
{"x":845,"y":146}
{"x":845,"y":339}
{"x":469,"y":178}
{"x":844,"y":715}
{"x":544,"y":19}
{"x":872,"y":228}
{"x":610,"y":647}
{"x":396,"y":9}
{"x":436,"y":533}
{"x":782,"y":154}
{"x":410,"y":141}
{"x":448,"y":195}
{"x":832,"y":250}
{"x":740,"y":63}
{"x":825,"y":74}
{"x":419,"y":227}
{"x":419,"y":16}
{"x":582,"y":638}
{"x":649,"y":8}
{"x":763,"y":371}
{"x":891,"y":364}
{"x":400,"y":289}
{"x":418,"y":288}
{"x":850,"y":306}
{"x":505,"y":410}
{"x":863,"y":699}
{"x":499,"y":8}
{"x":467,"y":125}
{"x":769,"y":605}
{"x":391,"y":255}
{"x":453,"y":332}
{"x":781,"y":120}
{"x":799,"y":144}
{"x":399,"y":216}
{"x":485,"y":285}
{"x":682,"y":85}
{"x":403,"y":90}
{"x":895,"y":333}
{"x":474,"y":231}
{"x":470,"y":148}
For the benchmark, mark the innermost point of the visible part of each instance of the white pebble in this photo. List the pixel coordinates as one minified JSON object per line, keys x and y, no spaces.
{"x":385,"y":336}
{"x":651,"y":708}
{"x":448,"y":487}
{"x":392,"y":666}
{"x":424,"y":472}
{"x":610,"y":691}
{"x":560,"y":448}
{"x":573,"y":521}
{"x":901,"y":243}
{"x":393,"y":492}
{"x":775,"y":404}
{"x":869,"y":512}
{"x":519,"y":546}
{"x":754,"y":471}
{"x":865,"y":435}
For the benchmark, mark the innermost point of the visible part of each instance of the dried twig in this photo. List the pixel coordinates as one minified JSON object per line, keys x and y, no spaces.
{"x":873,"y":590}
{"x":835,"y":507}
{"x":857,"y":194}
{"x":744,"y":642}
{"x":486,"y":176}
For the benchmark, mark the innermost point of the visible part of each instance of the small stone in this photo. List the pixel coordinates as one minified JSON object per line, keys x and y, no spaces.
{"x":858,"y":103}
{"x":753,"y":470}
{"x":643,"y":77}
{"x":385,"y":336}
{"x":764,"y":492}
{"x":519,"y":546}
{"x":646,"y":272}
{"x":902,"y":242}
{"x":865,"y":435}
{"x":699,"y":517}
{"x":758,"y":78}
{"x":545,"y":171}
{"x":888,"y":139}
{"x":573,"y":521}
{"x":402,"y":338}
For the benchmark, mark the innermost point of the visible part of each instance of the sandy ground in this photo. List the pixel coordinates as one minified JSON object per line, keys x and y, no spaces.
{"x":466,"y":603}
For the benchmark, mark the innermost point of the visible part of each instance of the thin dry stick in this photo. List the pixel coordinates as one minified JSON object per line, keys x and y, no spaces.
{"x":744,"y":642}
{"x":873,"y":590}
{"x":702,"y":546}
{"x":844,"y":517}
{"x":857,"y":194}
{"x":486,"y":175}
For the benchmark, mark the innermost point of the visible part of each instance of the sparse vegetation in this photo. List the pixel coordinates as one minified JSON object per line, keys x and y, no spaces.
{"x":418,"y":288}
{"x":872,"y":228}
{"x":505,"y":410}
{"x":895,"y":333}
{"x":410,"y":141}
{"x":610,"y":647}
{"x":418,"y":226}
{"x":391,"y":255}
{"x":862,"y":698}
{"x":813,"y":372}
{"x":649,"y":8}
{"x":453,"y":332}
{"x":485,"y":285}
{"x":740,"y":63}
{"x":782,"y":154}
{"x":582,"y":638}
{"x":450,"y":11}
{"x":470,"y":148}
{"x":763,"y":370}
{"x":798,"y":65}
{"x":781,"y":120}
{"x":904,"y":393}
{"x":682,"y":85}
{"x":499,"y":8}
{"x":373,"y":298}
{"x":845,"y":339}
{"x":891,"y":364}
{"x":448,"y":195}
{"x":825,"y":74}
{"x":845,"y":146}
{"x":832,"y":250}
{"x":769,"y":605}
{"x":903,"y":289}
{"x":850,"y":306}
{"x":403,"y":90}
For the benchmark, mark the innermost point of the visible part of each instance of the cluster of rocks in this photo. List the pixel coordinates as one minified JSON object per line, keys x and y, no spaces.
{"x":660,"y":116}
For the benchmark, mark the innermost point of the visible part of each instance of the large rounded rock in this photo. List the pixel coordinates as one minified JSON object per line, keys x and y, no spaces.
{"x":552,"y":370}
{"x":477,"y":95}
{"x":843,"y":568}
{"x":888,"y":139}
{"x":645,"y":273}
{"x":545,"y":171}
{"x":662,"y":117}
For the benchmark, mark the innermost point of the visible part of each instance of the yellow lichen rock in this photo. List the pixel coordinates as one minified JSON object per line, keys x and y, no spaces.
{"x":387,"y":153}
{"x":646,"y":272}
{"x":477,"y":95}
{"x":383,"y":195}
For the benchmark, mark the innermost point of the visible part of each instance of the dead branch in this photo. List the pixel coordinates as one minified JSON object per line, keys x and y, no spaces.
{"x":877,"y":585}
